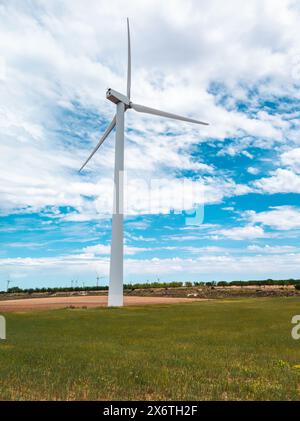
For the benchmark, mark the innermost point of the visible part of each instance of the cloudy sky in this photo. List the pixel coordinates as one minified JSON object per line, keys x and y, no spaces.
{"x":237,"y":67}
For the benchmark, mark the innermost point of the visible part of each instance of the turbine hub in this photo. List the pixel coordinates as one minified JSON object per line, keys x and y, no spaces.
{"x":116,"y":97}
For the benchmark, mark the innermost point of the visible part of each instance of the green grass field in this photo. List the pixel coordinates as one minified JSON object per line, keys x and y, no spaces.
{"x":210,"y":350}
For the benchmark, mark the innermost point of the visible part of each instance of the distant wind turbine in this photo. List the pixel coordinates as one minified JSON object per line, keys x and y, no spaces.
{"x":123,"y":103}
{"x":8,"y":282}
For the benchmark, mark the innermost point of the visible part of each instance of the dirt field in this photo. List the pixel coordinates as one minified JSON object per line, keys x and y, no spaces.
{"x":83,"y":301}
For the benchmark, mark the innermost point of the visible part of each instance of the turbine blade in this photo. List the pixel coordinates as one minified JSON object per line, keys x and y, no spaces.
{"x":106,"y":133}
{"x":148,"y":110}
{"x":129,"y":61}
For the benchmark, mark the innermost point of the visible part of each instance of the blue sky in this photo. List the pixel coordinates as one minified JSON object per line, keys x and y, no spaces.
{"x":238,"y":71}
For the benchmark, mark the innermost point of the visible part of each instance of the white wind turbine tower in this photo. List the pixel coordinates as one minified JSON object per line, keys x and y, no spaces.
{"x":123,"y":103}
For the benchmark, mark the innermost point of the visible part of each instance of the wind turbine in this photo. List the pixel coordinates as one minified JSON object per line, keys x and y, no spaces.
{"x":98,"y":279}
{"x":123,"y":104}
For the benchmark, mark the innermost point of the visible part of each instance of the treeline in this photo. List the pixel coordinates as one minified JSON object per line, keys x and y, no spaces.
{"x":53,"y":290}
{"x":212,"y":284}
{"x":295,"y":282}
{"x":154,"y":285}
{"x":261,"y":283}
{"x":92,"y":288}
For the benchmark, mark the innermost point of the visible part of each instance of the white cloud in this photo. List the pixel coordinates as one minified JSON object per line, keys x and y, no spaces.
{"x":253,"y":170}
{"x":272,"y":249}
{"x":248,"y":232}
{"x":282,"y":181}
{"x":101,"y":249}
{"x":279,"y":217}
{"x":292,"y":159}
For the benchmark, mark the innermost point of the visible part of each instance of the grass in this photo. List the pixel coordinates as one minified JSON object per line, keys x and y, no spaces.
{"x":210,"y":350}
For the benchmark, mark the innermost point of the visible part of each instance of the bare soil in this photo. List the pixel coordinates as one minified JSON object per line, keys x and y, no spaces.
{"x":87,"y":301}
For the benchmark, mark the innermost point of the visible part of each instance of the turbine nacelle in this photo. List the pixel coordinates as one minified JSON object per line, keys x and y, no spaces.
{"x":116,"y":97}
